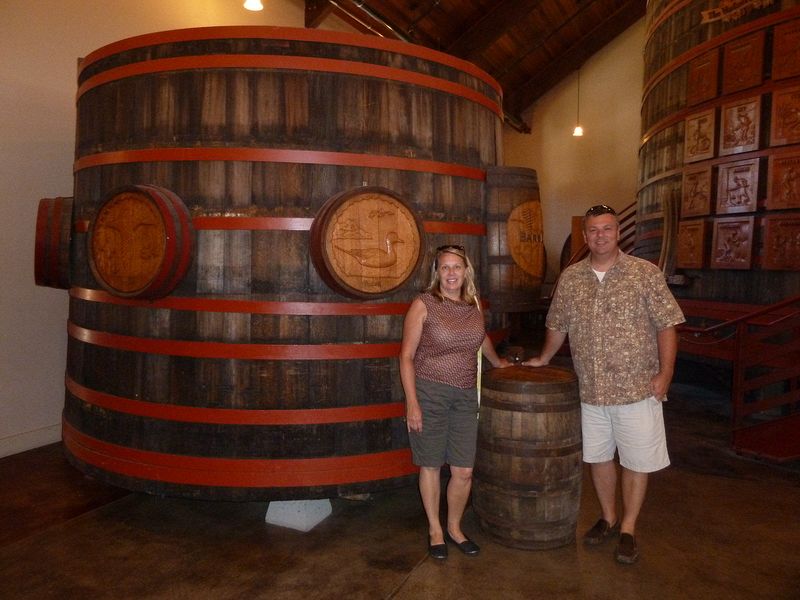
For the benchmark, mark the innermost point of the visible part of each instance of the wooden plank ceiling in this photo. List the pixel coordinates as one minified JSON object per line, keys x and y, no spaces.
{"x":528,"y":46}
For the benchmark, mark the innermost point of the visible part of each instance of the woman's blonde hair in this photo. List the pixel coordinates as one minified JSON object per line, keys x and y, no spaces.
{"x":469,"y":292}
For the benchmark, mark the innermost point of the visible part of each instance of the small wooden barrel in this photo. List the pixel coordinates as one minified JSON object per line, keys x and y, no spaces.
{"x":140,"y":243}
{"x":527,"y":479}
{"x":53,"y":237}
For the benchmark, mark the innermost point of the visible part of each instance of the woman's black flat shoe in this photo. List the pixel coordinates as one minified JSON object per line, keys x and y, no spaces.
{"x":468,"y":547}
{"x":437,"y":551}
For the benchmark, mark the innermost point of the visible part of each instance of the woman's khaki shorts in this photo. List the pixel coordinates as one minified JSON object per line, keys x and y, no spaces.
{"x":449,"y":425}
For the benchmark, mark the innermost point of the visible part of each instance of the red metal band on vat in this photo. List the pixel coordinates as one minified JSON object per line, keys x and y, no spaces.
{"x":312,"y":157}
{"x":235,"y":223}
{"x":283,"y":62}
{"x":231,"y":472}
{"x":247,"y":306}
{"x":203,"y":349}
{"x":285,"y":33}
{"x":234,"y":416}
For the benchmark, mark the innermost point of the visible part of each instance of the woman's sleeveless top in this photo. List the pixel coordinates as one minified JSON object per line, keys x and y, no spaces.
{"x":448,"y":347}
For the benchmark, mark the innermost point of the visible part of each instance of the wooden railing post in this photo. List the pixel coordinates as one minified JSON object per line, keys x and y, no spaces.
{"x":739,"y":368}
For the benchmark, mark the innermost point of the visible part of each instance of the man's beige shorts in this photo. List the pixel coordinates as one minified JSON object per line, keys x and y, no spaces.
{"x":635,"y":430}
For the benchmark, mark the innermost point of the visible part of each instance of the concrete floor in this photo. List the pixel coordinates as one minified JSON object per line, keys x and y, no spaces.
{"x":715,"y":525}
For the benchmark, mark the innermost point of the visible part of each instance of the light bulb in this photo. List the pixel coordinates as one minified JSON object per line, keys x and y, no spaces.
{"x":578,"y":131}
{"x":253,"y":5}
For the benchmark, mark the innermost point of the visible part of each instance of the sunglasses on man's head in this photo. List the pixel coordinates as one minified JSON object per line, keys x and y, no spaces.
{"x":600,"y":209}
{"x":449,"y":247}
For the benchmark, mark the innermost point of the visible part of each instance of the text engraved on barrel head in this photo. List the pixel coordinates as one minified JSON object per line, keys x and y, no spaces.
{"x":525,"y":237}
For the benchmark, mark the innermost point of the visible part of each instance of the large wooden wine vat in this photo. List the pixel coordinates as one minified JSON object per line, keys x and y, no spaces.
{"x":253,"y":210}
{"x":718,"y":200}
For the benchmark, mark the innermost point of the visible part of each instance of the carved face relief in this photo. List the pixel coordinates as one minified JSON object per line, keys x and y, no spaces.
{"x":128,"y":242}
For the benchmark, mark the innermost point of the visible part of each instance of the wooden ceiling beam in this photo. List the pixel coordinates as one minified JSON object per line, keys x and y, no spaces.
{"x":483,"y":32}
{"x":520,"y":98}
{"x":316,"y":11}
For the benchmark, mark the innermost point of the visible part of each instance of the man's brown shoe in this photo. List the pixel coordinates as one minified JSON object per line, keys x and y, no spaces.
{"x":601,"y":531}
{"x":627,"y":552}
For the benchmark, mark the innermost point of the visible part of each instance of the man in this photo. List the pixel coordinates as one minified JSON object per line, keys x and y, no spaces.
{"x":620,"y":317}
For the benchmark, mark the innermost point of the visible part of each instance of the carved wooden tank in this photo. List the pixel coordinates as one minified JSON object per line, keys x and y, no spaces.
{"x":718,"y":199}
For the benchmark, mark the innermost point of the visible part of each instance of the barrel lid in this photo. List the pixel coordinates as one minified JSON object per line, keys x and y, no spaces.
{"x":366,"y":242}
{"x":519,"y":379}
{"x":140,"y":241}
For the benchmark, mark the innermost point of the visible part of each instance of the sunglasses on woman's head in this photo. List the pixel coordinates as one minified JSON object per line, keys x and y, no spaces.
{"x":600,"y":209}
{"x":449,"y":247}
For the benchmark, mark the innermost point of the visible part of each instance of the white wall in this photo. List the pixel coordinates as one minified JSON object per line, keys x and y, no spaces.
{"x":600,"y":167}
{"x":40,"y":42}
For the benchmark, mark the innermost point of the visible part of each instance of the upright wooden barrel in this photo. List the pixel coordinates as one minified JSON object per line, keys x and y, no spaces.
{"x":722,"y":84}
{"x":515,"y":262}
{"x":260,"y":375}
{"x":527,"y":479}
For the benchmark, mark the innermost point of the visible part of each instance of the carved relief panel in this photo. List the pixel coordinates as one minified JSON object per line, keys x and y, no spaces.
{"x":732,"y":243}
{"x":786,"y":50}
{"x":782,"y":242}
{"x":743,"y":62}
{"x":703,"y":76}
{"x":785,"y":122}
{"x":740,"y":128}
{"x":696,"y":193}
{"x":699,"y":136}
{"x":784,"y":182}
{"x":737,"y":186}
{"x":691,"y":244}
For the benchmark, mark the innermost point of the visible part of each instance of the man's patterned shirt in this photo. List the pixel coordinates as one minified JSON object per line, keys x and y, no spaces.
{"x":612,"y":327}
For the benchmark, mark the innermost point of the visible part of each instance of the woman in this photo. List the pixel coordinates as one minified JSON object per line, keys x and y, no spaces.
{"x":442,"y":333}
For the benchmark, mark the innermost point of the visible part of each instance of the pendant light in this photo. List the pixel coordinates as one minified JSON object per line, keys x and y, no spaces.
{"x":578,"y":131}
{"x":253,"y":5}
